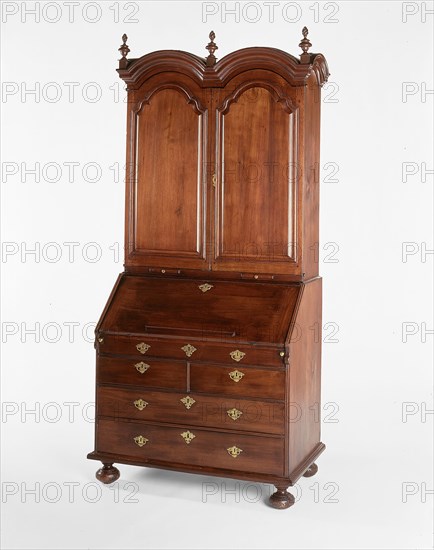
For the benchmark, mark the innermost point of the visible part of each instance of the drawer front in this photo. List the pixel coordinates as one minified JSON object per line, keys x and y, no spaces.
{"x":189,"y":445}
{"x":189,"y":349}
{"x":142,"y":372}
{"x":237,"y":381}
{"x":193,"y":409}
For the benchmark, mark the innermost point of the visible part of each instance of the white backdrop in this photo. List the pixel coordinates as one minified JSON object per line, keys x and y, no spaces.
{"x":63,"y":129}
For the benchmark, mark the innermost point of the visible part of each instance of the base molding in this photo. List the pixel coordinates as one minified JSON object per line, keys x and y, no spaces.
{"x":305,"y":464}
{"x":107,"y":458}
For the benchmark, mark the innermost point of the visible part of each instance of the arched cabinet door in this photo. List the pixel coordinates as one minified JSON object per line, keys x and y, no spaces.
{"x":166,"y":198}
{"x":257,"y":171}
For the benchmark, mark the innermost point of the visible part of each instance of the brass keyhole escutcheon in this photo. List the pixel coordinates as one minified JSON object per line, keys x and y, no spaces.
{"x":142,"y":367}
{"x":234,"y":413}
{"x":188,"y":349}
{"x":237,"y":355}
{"x":140,"y":404}
{"x":140,"y":440}
{"x":234,"y":451}
{"x":142,"y":347}
{"x":236,"y":375}
{"x":188,"y":436}
{"x":205,"y":287}
{"x":188,"y":401}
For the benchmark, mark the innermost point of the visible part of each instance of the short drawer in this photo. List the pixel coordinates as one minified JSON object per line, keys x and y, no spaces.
{"x":142,"y":372}
{"x":191,"y":446}
{"x":194,"y":409}
{"x":237,"y":381}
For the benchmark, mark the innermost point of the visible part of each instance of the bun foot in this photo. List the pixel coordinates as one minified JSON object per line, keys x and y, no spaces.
{"x":107,"y":474}
{"x":311,"y":471}
{"x":281,"y":499}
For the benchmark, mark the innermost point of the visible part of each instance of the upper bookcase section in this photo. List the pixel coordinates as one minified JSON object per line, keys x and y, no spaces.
{"x":213,"y":73}
{"x":222,"y":167}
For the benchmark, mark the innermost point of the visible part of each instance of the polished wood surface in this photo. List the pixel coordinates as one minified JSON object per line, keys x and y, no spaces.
{"x":169,"y":190}
{"x":196,"y":409}
{"x":149,"y":373}
{"x":305,"y":374}
{"x":256,"y":159}
{"x":228,"y":311}
{"x":228,"y":183}
{"x":255,"y":382}
{"x":210,"y":448}
{"x":209,"y":347}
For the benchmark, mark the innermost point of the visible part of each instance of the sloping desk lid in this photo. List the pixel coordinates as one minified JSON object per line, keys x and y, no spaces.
{"x":239,"y":311}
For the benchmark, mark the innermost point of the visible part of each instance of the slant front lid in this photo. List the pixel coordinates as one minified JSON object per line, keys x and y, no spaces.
{"x":214,"y":310}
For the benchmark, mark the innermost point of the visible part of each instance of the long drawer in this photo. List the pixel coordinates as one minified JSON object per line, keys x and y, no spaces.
{"x":194,"y":409}
{"x":190,"y":349}
{"x":148,"y":372}
{"x":189,"y":445}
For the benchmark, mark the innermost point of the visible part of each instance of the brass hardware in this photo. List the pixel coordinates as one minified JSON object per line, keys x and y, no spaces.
{"x":237,"y":355}
{"x":234,"y":451}
{"x":205,"y":287}
{"x":188,"y":436}
{"x":163,"y":271}
{"x":282,"y":354}
{"x":188,"y":401}
{"x":140,"y":440}
{"x":140,"y":404}
{"x":234,"y":414}
{"x":256,"y":276}
{"x":236,"y":375}
{"x":142,"y":367}
{"x":214,"y":180}
{"x":189,"y":350}
{"x":100,"y":339}
{"x":142,"y":347}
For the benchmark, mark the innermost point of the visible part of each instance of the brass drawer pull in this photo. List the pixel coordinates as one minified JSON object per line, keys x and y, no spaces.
{"x":234,"y":414}
{"x":188,"y":401}
{"x":140,"y":440}
{"x":236,"y":375}
{"x":142,"y":367}
{"x":188,"y":436}
{"x":237,"y":355}
{"x":140,"y":404}
{"x":205,"y":287}
{"x":189,"y":350}
{"x":142,"y":347}
{"x":234,"y":451}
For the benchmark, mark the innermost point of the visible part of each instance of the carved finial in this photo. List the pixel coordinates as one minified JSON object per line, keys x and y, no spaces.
{"x":211,"y":47}
{"x":124,"y":49}
{"x":305,"y":44}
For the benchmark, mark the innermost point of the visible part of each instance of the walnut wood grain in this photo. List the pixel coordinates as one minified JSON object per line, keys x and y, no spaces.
{"x":165,"y":443}
{"x":209,"y":346}
{"x":203,"y":410}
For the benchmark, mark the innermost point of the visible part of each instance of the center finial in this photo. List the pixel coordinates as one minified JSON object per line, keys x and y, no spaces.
{"x":211,"y":47}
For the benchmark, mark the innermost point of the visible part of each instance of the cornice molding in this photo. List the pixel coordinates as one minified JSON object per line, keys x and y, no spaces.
{"x":136,"y":71}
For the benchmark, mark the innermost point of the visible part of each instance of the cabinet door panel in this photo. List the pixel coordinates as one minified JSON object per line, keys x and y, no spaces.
{"x":257,"y":176}
{"x":169,"y":127}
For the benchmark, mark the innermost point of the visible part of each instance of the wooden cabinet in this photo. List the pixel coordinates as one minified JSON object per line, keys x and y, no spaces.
{"x":206,"y":348}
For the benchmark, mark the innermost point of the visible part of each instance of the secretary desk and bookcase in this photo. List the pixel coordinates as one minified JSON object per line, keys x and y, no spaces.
{"x":208,"y":350}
